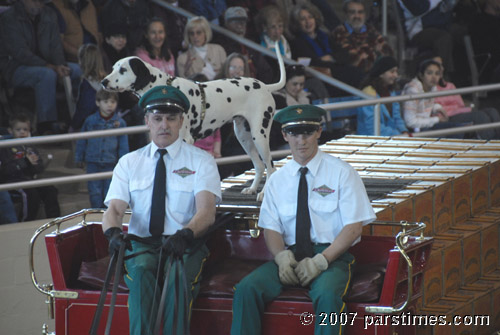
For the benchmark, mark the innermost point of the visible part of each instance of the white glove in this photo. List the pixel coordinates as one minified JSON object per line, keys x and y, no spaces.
{"x":286,"y":262}
{"x":310,"y":268}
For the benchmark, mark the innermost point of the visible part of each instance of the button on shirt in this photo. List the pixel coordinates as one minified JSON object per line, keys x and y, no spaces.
{"x":189,"y":171}
{"x":337,"y":198}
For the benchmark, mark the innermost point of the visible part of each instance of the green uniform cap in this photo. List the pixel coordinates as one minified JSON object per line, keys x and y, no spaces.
{"x":300,"y":116}
{"x":164,"y":99}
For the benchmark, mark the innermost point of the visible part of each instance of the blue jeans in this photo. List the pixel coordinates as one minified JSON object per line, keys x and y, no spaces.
{"x":98,"y":188}
{"x":7,"y":210}
{"x":43,"y":80}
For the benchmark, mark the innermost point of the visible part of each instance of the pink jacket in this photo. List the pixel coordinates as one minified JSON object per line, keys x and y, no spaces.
{"x":452,"y":104}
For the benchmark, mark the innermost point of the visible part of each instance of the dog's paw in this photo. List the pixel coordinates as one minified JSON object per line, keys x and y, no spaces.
{"x":260,"y":196}
{"x":248,"y":190}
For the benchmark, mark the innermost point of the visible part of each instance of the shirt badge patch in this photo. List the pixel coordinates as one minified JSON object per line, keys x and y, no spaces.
{"x":323,"y":190}
{"x":184,"y":172}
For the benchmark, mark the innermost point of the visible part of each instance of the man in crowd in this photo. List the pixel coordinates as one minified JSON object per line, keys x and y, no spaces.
{"x":32,"y":55}
{"x":357,"y":43}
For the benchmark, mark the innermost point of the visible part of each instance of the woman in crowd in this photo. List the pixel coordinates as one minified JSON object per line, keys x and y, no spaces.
{"x":381,"y":82}
{"x":201,"y":56}
{"x":425,"y":114}
{"x":458,"y":112}
{"x":154,"y":49}
{"x":236,"y":65}
{"x":313,"y":43}
{"x":271,"y":26}
{"x":293,"y":93}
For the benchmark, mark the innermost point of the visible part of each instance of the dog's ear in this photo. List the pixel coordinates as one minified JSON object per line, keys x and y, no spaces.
{"x":142,"y":74}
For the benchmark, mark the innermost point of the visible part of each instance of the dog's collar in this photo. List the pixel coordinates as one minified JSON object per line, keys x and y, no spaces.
{"x":203,"y":102}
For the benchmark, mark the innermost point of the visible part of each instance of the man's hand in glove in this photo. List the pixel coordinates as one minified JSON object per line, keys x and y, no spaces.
{"x":176,"y":244}
{"x":286,"y":263}
{"x":310,"y":268}
{"x":116,"y":238}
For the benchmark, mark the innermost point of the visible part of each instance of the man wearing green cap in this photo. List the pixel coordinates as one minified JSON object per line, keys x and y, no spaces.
{"x":313,"y":211}
{"x":172,"y":188}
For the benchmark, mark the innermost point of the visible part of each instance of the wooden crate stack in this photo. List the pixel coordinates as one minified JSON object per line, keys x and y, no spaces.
{"x":457,"y":195}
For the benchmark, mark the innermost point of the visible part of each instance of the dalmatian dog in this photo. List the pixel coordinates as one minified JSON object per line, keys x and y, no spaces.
{"x":247,"y":102}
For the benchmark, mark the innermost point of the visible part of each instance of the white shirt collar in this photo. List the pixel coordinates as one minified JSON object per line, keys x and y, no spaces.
{"x":312,"y":165}
{"x":172,"y":149}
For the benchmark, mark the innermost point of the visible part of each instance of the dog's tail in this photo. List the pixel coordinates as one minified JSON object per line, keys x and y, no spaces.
{"x":279,"y":85}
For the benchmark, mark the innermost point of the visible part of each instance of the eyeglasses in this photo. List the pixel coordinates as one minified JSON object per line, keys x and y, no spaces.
{"x":236,"y":68}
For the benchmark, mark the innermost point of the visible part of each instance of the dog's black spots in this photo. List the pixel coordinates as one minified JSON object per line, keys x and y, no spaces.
{"x":247,"y":87}
{"x":203,"y":85}
{"x":208,"y":105}
{"x":236,"y":82}
{"x":195,"y":132}
{"x":195,"y":115}
{"x":193,"y":109}
{"x":256,"y":86}
{"x":262,"y":131}
{"x":192,"y":122}
{"x":228,"y":99}
{"x":208,"y":132}
{"x":191,"y":92}
{"x":265,"y":123}
{"x":270,"y":109}
{"x":218,"y":90}
{"x":253,"y":138}
{"x":213,"y":121}
{"x":178,"y":87}
{"x":160,"y":75}
{"x":265,"y":136}
{"x":246,"y":125}
{"x":267,"y":115}
{"x":116,"y":80}
{"x":197,"y":92}
{"x":123,"y":70}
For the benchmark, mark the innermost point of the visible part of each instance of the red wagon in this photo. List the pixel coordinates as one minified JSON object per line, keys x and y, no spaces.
{"x":386,"y":284}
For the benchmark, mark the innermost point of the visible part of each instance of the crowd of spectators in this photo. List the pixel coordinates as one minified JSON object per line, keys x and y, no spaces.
{"x":46,"y":41}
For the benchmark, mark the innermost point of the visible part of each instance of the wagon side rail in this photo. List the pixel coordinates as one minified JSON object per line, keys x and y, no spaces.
{"x":402,"y":239}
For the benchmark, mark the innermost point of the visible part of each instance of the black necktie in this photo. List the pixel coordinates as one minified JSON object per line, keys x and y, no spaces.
{"x":157,"y":219}
{"x":303,"y":224}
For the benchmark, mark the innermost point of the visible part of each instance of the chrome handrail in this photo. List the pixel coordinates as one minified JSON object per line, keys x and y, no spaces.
{"x":401,"y":241}
{"x":47,"y":288}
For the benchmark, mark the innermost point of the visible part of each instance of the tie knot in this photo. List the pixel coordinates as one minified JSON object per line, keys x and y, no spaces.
{"x":162,"y":152}
{"x":303,"y":171}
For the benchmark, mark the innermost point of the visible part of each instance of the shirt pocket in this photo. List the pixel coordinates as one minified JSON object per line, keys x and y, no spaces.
{"x":323,"y":207}
{"x":181,"y":200}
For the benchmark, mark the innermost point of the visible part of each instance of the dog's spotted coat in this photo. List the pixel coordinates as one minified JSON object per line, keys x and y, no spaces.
{"x":247,"y":102}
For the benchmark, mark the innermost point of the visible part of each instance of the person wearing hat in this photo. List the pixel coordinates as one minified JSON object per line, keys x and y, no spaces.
{"x":172,"y":188}
{"x":382,"y":82}
{"x":313,"y":211}
{"x":115,"y":45}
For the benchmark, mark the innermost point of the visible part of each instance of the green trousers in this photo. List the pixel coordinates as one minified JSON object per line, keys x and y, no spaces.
{"x":145,"y":288}
{"x":263,"y":285}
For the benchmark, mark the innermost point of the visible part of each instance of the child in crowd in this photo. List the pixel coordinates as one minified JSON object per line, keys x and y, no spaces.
{"x":22,"y":163}
{"x":211,"y":143}
{"x":101,"y":153}
{"x":93,"y":72}
{"x":114,"y":46}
